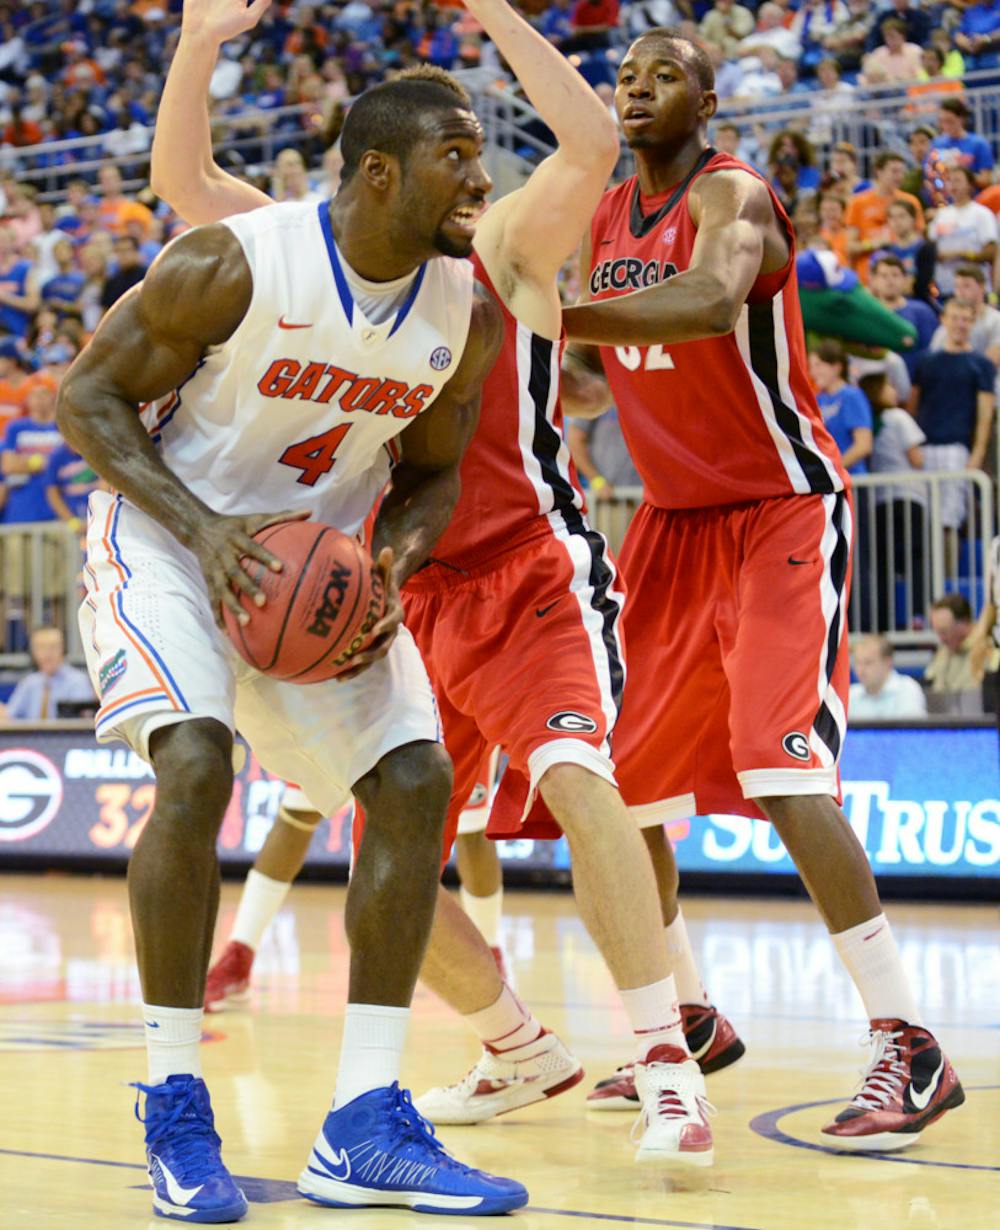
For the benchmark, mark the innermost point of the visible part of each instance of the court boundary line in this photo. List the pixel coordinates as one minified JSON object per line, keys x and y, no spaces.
{"x":765,"y":1125}
{"x":255,"y":1181}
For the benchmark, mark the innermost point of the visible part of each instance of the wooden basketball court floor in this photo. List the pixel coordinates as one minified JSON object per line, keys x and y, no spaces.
{"x":70,"y":1150}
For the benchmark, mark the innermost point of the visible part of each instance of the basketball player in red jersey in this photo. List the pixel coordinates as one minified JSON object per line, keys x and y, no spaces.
{"x":517,"y":614}
{"x":737,"y":562}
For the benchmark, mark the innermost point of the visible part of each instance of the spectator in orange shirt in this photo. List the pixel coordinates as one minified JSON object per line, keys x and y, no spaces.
{"x":16,"y":382}
{"x":21,"y":132}
{"x":116,"y":210}
{"x":80,"y":71}
{"x":833,"y":225}
{"x":868,"y":212}
{"x":990,"y":197}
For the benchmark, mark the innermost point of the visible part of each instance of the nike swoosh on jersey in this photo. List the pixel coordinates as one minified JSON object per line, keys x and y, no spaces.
{"x":922,"y":1099}
{"x":339,"y":1166}
{"x":177,"y":1193}
{"x":285,"y":324}
{"x":542,"y":611}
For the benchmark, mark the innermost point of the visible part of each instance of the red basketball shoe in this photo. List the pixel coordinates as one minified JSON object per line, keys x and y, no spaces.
{"x":228,"y":980}
{"x":711,"y":1039}
{"x":908,"y":1085}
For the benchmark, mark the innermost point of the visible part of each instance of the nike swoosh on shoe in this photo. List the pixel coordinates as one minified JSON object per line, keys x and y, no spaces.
{"x":921,"y":1099}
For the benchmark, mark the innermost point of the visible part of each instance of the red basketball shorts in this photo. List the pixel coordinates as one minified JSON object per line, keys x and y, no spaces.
{"x":738,"y":662}
{"x":524,"y":653}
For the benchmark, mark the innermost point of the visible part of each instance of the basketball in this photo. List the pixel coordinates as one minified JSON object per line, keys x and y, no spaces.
{"x":320,"y":608}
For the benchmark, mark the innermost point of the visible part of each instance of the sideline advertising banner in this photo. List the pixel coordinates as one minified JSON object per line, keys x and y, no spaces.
{"x":923,"y":801}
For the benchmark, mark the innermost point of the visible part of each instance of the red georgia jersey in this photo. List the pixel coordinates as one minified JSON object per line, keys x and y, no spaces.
{"x":517,"y":470}
{"x":724,"y":419}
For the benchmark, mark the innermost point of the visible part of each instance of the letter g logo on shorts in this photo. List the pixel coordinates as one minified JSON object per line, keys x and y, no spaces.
{"x":796,"y":745}
{"x":571,"y":723}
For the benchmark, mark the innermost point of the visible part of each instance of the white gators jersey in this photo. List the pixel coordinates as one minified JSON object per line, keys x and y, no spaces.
{"x":298,"y":409}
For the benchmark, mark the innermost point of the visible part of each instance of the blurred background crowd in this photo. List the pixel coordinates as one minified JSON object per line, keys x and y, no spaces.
{"x":877,"y":124}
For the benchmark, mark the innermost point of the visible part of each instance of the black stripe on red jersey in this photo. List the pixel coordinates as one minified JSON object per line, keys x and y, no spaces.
{"x":641,"y":225}
{"x":764,"y":361}
{"x":825,"y":724}
{"x":545,"y":445}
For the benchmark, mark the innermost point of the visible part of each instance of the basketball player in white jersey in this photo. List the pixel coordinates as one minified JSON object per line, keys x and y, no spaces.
{"x":265,"y":363}
{"x":518,"y":542}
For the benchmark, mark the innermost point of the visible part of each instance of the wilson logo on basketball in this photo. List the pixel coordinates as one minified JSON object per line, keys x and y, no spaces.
{"x":376,"y":605}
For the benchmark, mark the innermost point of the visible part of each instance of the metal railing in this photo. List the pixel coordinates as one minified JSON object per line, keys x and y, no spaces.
{"x":872,"y":119}
{"x":40,"y":585}
{"x":904,"y":556}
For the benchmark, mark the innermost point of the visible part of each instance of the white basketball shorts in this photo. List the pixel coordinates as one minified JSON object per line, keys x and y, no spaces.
{"x":156,"y":657}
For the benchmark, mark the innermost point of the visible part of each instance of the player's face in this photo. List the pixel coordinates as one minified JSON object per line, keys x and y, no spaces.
{"x":445,"y":184}
{"x":659,"y":100}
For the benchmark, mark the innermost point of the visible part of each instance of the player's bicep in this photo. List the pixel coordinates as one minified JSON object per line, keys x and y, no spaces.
{"x":195,"y":295}
{"x":729,"y":245}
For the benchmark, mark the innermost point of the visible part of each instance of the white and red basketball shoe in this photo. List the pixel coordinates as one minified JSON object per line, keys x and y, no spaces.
{"x":907,"y":1086}
{"x":673,"y":1122}
{"x":500,"y":1083}
{"x":228,"y":981}
{"x":713,"y":1044}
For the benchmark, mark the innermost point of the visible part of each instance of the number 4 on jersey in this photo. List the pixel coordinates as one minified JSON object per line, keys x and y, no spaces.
{"x":315,"y":456}
{"x":630,"y":357}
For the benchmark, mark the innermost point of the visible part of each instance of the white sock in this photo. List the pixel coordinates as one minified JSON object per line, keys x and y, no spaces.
{"x":173,"y":1041}
{"x":689,"y":987}
{"x":262,"y":899}
{"x":485,"y":912}
{"x":869,"y":951}
{"x":371,"y":1051}
{"x":655,"y":1016}
{"x":505,"y":1025}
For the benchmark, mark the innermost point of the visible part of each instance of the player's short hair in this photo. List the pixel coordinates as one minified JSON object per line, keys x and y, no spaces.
{"x":388,"y":117}
{"x":958,"y":604}
{"x":974,"y":272}
{"x":887,"y":258}
{"x":886,"y":157}
{"x":694,"y":53}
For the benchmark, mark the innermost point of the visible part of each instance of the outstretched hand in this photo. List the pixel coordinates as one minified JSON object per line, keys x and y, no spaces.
{"x":220,"y":546}
{"x":222,"y":19}
{"x":384,"y":632}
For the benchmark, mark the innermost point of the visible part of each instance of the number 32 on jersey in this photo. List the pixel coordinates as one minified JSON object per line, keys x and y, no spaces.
{"x":656,"y":360}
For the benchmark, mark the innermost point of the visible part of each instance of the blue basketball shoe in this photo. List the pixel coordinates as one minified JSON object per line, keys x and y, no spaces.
{"x":379,"y":1150}
{"x":183,"y":1155}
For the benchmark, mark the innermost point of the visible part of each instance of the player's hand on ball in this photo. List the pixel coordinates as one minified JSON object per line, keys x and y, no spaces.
{"x":220,"y":545}
{"x":384,"y":632}
{"x":222,"y":19}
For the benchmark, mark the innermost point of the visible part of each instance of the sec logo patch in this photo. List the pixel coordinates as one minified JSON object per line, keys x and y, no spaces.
{"x":441,"y":358}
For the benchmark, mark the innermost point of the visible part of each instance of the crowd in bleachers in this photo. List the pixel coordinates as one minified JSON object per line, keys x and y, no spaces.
{"x":913,"y":229}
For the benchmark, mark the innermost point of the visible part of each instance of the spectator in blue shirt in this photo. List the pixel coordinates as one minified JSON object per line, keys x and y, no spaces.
{"x":36,"y":697}
{"x":62,"y":291}
{"x":557,"y":22}
{"x":979,"y":33}
{"x":18,"y":287}
{"x":888,"y":282}
{"x":24,"y":459}
{"x":69,"y":480}
{"x":955,"y":146}
{"x":846,"y":411}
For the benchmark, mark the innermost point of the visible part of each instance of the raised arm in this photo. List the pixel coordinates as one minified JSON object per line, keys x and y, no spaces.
{"x":194,"y":296}
{"x":738,"y":236}
{"x":183,"y":171}
{"x":425,"y":483}
{"x":528,"y":234}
